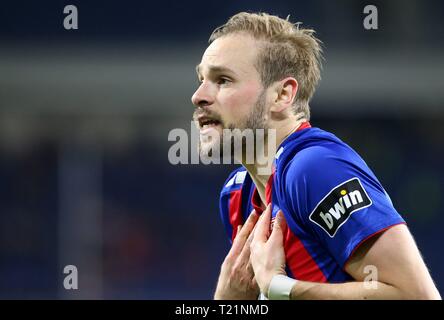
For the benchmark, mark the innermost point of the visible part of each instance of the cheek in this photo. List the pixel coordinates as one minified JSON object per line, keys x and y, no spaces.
{"x":238,"y":103}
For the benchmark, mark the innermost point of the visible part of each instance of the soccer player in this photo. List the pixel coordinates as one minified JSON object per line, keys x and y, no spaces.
{"x":335,"y":227}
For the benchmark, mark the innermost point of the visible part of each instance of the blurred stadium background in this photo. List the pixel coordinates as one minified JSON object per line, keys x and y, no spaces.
{"x":85,"y":116}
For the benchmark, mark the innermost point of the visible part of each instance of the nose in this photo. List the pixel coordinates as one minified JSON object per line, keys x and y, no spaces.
{"x":202,"y":97}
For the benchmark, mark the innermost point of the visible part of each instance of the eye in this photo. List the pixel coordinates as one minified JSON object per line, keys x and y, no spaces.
{"x":223,"y":81}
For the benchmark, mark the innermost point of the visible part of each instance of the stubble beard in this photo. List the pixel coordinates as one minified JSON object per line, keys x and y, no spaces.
{"x":255,"y":120}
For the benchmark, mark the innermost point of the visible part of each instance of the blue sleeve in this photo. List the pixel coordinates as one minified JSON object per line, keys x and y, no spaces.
{"x":232,"y":183}
{"x":224,"y":205}
{"x":333,"y":195}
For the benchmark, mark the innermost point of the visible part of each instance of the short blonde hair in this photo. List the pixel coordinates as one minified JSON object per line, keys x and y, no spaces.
{"x":288,"y":50}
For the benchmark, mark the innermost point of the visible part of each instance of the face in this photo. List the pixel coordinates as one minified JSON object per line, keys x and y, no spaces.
{"x":230,"y":93}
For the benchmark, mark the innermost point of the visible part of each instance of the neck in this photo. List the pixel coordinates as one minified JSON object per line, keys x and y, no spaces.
{"x":261,"y":173}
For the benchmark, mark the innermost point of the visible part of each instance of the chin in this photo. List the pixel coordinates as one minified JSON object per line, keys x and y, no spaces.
{"x":206,"y":147}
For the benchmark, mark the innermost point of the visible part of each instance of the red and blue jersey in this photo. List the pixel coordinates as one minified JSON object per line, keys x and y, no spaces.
{"x":330,"y":198}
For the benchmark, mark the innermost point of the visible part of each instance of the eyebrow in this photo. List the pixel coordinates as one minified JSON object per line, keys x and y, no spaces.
{"x":215,"y":69}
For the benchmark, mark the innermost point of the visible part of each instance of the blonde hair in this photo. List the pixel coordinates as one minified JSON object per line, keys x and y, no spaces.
{"x":287,"y":50}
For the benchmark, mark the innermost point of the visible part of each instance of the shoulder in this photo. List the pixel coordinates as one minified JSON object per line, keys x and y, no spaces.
{"x":229,"y":206}
{"x":316,"y":163}
{"x":317,"y":158}
{"x":310,"y":160}
{"x":234,"y":180}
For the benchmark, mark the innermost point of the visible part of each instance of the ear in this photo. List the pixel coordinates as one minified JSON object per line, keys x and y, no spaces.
{"x":284,"y":93}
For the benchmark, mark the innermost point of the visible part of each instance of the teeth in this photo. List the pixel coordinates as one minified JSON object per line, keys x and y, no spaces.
{"x":210,"y":124}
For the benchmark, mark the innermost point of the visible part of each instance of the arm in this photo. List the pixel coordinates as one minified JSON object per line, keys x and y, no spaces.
{"x":401,"y":272}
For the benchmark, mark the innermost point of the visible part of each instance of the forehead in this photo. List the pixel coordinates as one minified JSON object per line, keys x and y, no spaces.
{"x":237,"y":52}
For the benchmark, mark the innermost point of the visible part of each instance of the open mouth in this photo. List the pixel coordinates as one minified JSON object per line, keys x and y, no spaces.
{"x":206,"y":122}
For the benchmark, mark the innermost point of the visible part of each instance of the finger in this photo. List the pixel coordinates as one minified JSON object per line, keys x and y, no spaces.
{"x":240,"y":227}
{"x":242,"y":235}
{"x":254,"y":283}
{"x":245,"y":253}
{"x":283,"y":221}
{"x":263,"y":226}
{"x":277,"y":234}
{"x":250,"y":268}
{"x":249,"y":224}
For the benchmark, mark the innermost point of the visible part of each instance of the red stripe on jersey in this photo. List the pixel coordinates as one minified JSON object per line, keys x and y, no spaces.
{"x":235,"y":211}
{"x":256,"y":201}
{"x":304,"y":125}
{"x":299,"y":261}
{"x":268,"y":187}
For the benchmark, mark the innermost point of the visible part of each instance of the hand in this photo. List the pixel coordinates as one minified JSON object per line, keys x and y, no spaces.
{"x":236,"y":279}
{"x":267,"y":251}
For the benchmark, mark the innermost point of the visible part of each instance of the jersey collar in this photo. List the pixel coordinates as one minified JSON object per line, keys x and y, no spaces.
{"x":256,"y":200}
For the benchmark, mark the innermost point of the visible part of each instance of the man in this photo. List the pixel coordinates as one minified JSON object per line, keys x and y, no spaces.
{"x":333,"y":221}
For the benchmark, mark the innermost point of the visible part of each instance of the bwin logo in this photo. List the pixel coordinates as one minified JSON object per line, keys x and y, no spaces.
{"x":337,"y":206}
{"x":340,"y":207}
